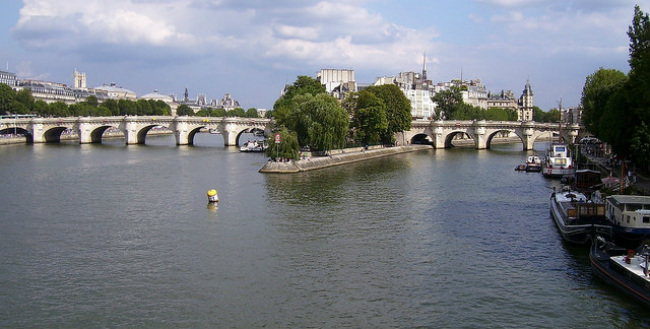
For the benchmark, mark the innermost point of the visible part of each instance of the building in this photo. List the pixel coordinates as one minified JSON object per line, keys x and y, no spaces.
{"x":47,"y":91}
{"x":505,"y":100}
{"x":9,"y":79}
{"x":79,"y":80}
{"x":525,"y":108}
{"x":417,"y":88}
{"x":475,"y":93}
{"x":337,"y":82}
{"x":227,"y":103}
{"x":117,"y":92}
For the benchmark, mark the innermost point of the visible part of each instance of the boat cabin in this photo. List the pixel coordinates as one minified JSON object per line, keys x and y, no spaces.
{"x":629,"y":210}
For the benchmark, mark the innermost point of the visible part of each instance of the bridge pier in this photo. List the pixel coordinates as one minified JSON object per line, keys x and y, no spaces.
{"x":230,"y":132}
{"x":527,"y":135}
{"x":180,"y":127}
{"x":438,"y":138}
{"x":38,"y":130}
{"x":479,"y":135}
{"x":85,"y":131}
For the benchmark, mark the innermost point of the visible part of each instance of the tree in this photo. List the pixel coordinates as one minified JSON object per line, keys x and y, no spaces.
{"x":640,"y":146}
{"x":639,"y":76}
{"x":92,"y":101}
{"x":252,"y":113}
{"x":59,"y":109}
{"x":286,"y":104}
{"x":7,"y":96}
{"x":398,"y":110}
{"x":288,"y":148}
{"x":237,"y":112}
{"x":500,"y":114}
{"x":369,"y":119}
{"x":447,"y":102}
{"x":24,"y":96}
{"x":597,"y":90}
{"x":329,"y":122}
{"x":112,"y":105}
{"x":183,"y":109}
{"x":219,"y":113}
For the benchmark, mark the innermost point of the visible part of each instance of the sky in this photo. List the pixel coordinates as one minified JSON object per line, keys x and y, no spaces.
{"x":253,"y":48}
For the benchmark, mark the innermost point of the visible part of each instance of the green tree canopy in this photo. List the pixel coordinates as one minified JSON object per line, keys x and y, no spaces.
{"x":398,"y":110}
{"x":288,"y":148}
{"x":286,"y":104}
{"x":597,"y":90}
{"x":447,"y":102}
{"x":369,"y":120}
{"x":184,"y":110}
{"x":252,"y":113}
{"x":7,"y":96}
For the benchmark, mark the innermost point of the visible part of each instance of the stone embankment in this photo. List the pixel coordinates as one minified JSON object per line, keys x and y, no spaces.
{"x":337,"y":158}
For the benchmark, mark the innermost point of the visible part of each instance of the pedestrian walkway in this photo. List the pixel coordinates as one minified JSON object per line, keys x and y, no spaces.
{"x":604,"y":165}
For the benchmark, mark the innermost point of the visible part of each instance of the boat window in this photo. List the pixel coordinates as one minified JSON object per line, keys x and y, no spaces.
{"x":560,"y":149}
{"x":646,"y":219}
{"x":628,"y":219}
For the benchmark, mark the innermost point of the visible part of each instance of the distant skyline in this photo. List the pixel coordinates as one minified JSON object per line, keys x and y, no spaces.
{"x":251,"y":49}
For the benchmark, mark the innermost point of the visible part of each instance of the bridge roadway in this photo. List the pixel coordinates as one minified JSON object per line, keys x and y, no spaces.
{"x":439,"y":133}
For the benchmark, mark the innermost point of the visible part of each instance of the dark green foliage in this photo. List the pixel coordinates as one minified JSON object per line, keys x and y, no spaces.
{"x":286,"y":149}
{"x":447,"y":103}
{"x":398,"y":110}
{"x":184,"y":110}
{"x":252,"y":113}
{"x":617,"y":108}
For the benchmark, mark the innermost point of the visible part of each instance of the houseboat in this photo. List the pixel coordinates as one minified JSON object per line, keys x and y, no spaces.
{"x":558,"y":162}
{"x":577,"y":218}
{"x":623,"y":269}
{"x":629,"y":216}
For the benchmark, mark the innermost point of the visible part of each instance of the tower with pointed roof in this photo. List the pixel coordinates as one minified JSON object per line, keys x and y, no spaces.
{"x":525,"y":112}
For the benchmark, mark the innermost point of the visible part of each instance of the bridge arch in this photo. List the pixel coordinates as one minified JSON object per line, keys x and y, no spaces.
{"x":421,"y":138}
{"x":454,"y":135}
{"x":505,"y":133}
{"x":97,"y":134}
{"x":29,"y":138}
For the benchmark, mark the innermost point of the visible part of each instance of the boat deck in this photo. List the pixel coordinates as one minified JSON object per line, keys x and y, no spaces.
{"x":636,"y":266}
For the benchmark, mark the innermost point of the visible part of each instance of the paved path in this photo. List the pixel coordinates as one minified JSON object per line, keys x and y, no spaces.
{"x":642,"y":182}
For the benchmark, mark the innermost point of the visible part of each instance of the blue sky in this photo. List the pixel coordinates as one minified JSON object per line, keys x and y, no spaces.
{"x":251,"y":49}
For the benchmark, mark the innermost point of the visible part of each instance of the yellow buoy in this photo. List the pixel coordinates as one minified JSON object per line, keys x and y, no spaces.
{"x":212,"y":196}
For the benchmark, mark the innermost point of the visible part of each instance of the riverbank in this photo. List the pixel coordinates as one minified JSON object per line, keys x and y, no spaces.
{"x":337,"y":158}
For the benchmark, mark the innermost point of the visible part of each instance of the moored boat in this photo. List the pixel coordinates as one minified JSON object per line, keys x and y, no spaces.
{"x":254,"y":146}
{"x":621,"y":268}
{"x":577,"y":218}
{"x":558,"y":162}
{"x":533,"y":163}
{"x":629,"y":216}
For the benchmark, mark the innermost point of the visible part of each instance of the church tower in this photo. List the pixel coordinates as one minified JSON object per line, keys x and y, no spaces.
{"x":525,"y":112}
{"x":79,"y":80}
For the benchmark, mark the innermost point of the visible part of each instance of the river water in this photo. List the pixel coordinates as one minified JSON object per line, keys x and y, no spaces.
{"x":108,"y":236}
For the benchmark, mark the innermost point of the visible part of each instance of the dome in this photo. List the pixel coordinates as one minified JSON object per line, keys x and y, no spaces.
{"x":156,"y":96}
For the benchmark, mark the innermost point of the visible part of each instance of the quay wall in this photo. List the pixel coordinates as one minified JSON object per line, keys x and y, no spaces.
{"x":337,"y":158}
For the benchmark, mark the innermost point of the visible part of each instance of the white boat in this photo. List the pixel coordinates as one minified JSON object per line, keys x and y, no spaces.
{"x":533,"y":163}
{"x":577,"y":218}
{"x":629,"y":216}
{"x":254,"y":146}
{"x":558,"y":162}
{"x":623,"y":269}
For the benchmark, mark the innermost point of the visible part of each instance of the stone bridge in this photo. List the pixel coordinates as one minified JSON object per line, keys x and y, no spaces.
{"x":441,"y":133}
{"x":135,"y":128}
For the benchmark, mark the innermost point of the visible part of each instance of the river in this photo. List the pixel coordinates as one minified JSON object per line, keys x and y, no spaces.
{"x":109,"y":235}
